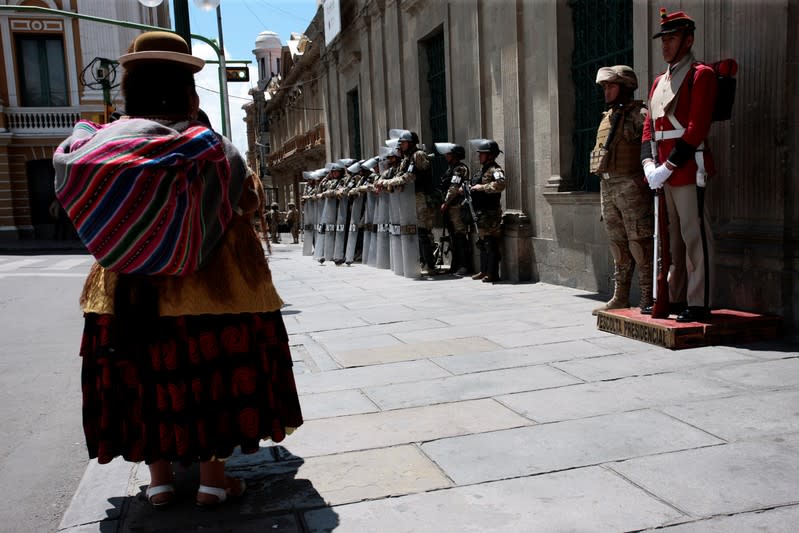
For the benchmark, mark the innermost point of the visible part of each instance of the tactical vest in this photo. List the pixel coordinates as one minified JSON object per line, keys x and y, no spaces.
{"x":621,"y":154}
{"x":484,"y":201}
{"x":424,"y":176}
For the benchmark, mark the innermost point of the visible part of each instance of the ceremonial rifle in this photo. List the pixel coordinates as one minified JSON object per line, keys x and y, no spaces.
{"x":662,"y":259}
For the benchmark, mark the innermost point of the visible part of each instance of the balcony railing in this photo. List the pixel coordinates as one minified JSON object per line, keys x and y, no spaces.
{"x":41,"y":120}
{"x":297,"y":144}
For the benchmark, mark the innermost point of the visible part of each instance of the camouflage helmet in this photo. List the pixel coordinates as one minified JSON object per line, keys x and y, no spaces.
{"x":621,"y":74}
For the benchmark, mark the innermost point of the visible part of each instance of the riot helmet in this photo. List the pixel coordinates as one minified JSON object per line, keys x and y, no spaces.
{"x":489,"y":146}
{"x":371,"y":164}
{"x":451,"y":148}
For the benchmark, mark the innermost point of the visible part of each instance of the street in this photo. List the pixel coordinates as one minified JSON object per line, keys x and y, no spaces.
{"x":42,"y":454}
{"x":453,"y":405}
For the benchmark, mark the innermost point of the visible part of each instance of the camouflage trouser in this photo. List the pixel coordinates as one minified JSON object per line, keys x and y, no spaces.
{"x":629,"y":217}
{"x":424,"y":213}
{"x":627,"y":209}
{"x":489,"y":223}
{"x":454,"y":216}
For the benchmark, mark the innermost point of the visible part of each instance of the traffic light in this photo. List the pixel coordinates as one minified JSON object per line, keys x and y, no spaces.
{"x":237,"y":73}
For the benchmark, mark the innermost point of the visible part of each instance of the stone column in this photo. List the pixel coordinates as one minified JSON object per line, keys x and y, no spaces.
{"x":517,"y":247}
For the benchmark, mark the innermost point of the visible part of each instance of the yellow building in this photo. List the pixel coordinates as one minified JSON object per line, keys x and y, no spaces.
{"x":53,"y":72}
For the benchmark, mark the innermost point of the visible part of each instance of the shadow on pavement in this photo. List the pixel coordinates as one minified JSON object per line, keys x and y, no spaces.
{"x":275,"y":500}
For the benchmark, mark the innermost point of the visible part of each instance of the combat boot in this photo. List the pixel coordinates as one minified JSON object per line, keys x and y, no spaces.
{"x":622,"y":277}
{"x":642,"y":253}
{"x":621,"y":297}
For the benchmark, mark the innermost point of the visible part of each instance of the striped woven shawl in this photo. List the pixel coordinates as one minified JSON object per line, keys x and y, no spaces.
{"x":147,"y":198}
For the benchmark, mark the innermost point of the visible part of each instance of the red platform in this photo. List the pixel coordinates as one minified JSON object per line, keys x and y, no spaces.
{"x":725,"y":326}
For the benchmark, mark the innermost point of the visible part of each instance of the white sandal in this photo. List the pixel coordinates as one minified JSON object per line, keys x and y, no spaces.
{"x":152,"y":492}
{"x":221,"y":494}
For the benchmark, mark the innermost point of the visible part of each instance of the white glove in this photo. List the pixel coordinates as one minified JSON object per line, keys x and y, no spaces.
{"x":649,"y":168}
{"x":658,"y":177}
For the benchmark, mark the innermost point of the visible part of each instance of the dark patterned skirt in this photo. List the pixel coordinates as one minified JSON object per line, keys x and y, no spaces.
{"x":196,"y":388}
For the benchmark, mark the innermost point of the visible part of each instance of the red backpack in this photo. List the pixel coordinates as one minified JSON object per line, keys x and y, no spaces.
{"x":725,"y":71}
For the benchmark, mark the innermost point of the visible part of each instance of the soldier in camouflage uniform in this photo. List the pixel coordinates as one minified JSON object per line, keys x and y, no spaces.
{"x":626,"y":200}
{"x":416,"y":166}
{"x":486,"y":190}
{"x":456,"y":176}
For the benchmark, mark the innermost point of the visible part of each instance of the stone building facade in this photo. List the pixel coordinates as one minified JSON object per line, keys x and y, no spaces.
{"x":522,"y":72}
{"x":48,"y":82}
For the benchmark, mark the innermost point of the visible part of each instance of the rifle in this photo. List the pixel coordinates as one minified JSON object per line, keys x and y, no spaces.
{"x":467,"y":200}
{"x":662,"y":259}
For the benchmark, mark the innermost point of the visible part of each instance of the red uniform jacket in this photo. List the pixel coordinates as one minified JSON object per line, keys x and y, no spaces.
{"x":694,"y":111}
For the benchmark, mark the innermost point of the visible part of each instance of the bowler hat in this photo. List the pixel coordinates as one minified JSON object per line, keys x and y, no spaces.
{"x":674,"y":22}
{"x":161,"y":47}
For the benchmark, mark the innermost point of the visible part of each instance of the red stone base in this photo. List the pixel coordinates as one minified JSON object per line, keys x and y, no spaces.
{"x":725,"y":326}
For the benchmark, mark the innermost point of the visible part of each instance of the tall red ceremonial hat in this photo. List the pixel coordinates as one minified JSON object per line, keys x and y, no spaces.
{"x":674,"y":22}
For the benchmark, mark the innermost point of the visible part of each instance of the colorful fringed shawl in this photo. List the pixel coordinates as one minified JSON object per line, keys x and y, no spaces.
{"x":146,"y":198}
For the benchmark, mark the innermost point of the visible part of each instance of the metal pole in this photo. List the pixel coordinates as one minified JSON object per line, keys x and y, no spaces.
{"x":223,"y":75}
{"x":182,"y":26}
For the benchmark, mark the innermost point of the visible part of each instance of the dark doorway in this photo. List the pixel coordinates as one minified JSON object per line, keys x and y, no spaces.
{"x":603,"y":36}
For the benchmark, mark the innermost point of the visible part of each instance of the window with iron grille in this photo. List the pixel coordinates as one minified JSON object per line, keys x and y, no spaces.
{"x":354,"y":114}
{"x":437,"y":87}
{"x":603,"y":36}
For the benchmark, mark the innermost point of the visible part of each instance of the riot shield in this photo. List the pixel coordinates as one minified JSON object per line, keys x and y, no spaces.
{"x":309,"y":223}
{"x":408,"y":236}
{"x":341,"y":230}
{"x":355,"y":228}
{"x":331,"y":205}
{"x":382,"y":247}
{"x":368,"y":230}
{"x":394,"y":231}
{"x":322,"y":212}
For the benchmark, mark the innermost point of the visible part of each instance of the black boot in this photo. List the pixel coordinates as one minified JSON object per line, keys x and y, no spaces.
{"x":426,"y":251}
{"x":460,"y":250}
{"x":492,"y":260}
{"x":483,"y":272}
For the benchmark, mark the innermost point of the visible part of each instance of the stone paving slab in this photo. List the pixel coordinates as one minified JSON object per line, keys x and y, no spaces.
{"x":651,"y":362}
{"x":534,"y":336}
{"x":387,"y":328}
{"x":355,"y":378}
{"x":342,"y":346}
{"x":743,"y":417}
{"x":781,"y":520}
{"x":733,"y":478}
{"x":563,"y":445}
{"x":516,"y":357}
{"x":762,"y":375}
{"x":461,"y":331}
{"x":389,"y":428}
{"x":412,"y":351}
{"x":372,"y":474}
{"x":768,"y":349}
{"x":335,"y":320}
{"x":336,"y":403}
{"x":98,"y":497}
{"x":585,"y":500}
{"x":468,"y":386}
{"x":591,"y":399}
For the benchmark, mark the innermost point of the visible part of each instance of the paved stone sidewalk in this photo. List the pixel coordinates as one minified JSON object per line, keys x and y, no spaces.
{"x":453,"y":405}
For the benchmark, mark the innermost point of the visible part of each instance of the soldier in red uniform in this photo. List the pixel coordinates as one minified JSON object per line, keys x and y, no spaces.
{"x":674,"y":156}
